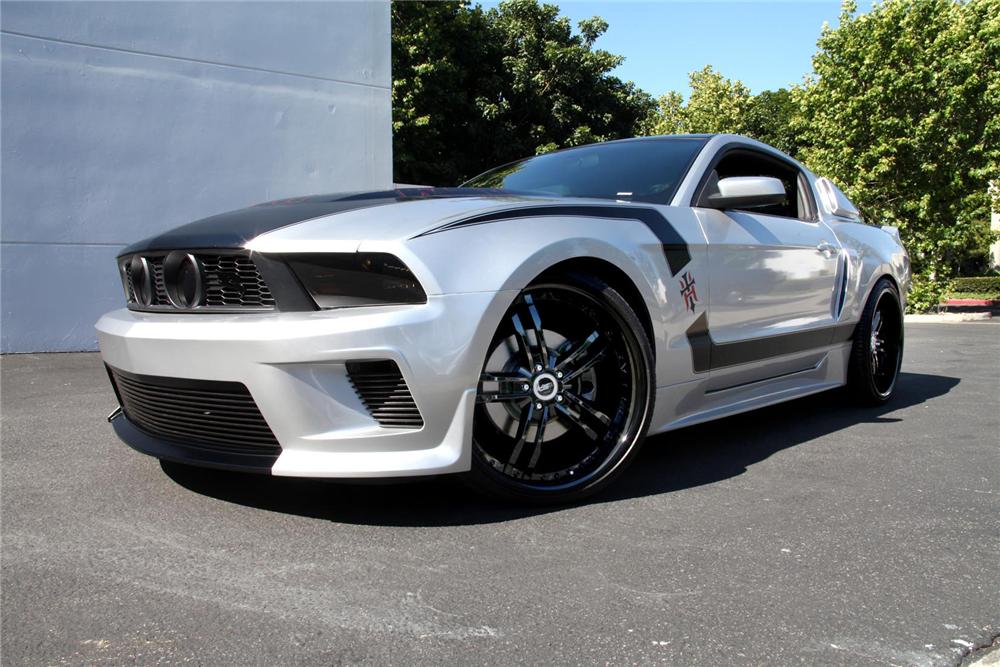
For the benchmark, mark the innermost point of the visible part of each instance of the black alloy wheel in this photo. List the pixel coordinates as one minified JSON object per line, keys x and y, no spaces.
{"x":565,"y":395}
{"x":877,"y":353}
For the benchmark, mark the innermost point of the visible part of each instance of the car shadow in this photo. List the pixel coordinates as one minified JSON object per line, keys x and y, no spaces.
{"x":681,"y":459}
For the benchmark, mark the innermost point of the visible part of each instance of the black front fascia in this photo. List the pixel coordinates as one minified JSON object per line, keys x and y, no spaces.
{"x":675,"y":249}
{"x":706,"y":354}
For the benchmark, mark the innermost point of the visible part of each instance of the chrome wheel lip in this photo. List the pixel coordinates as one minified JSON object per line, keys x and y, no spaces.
{"x":625,"y":435}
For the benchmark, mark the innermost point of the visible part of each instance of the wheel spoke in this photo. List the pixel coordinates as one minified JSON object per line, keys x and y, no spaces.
{"x":877,"y":322}
{"x":589,"y":361}
{"x":520,"y":375}
{"x":522,"y":340}
{"x":536,"y":321}
{"x":576,"y":420}
{"x":527,"y":413}
{"x":539,"y":437}
{"x":512,"y":386}
{"x":578,"y":352}
{"x":500,"y":396}
{"x":586,"y":408}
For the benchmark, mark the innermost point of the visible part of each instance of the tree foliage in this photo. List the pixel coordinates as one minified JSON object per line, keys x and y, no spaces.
{"x":717,"y":104}
{"x":773,"y":117}
{"x":476,"y":88}
{"x":902,"y":113}
{"x":440,"y":72}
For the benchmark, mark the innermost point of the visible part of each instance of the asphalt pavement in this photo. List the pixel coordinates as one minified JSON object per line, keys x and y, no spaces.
{"x":812,"y":532}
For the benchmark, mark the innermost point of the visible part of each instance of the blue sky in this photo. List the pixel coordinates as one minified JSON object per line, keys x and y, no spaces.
{"x":766,"y":45}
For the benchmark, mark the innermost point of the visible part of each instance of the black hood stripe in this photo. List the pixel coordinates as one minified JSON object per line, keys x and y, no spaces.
{"x":675,"y":249}
{"x":236,"y":228}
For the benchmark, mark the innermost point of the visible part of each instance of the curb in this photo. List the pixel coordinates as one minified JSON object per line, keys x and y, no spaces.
{"x":943,"y":318}
{"x":988,"y":656}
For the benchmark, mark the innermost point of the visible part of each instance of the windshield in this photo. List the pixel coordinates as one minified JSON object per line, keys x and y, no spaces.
{"x":648,"y":170}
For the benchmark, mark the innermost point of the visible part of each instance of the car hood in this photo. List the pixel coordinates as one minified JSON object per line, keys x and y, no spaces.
{"x":347,"y":217}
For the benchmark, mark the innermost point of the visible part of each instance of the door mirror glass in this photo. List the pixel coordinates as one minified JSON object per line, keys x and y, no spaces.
{"x":743,"y":192}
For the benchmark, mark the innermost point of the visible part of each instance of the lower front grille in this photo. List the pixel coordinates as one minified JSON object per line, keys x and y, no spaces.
{"x":215,"y":416}
{"x":383,"y":390}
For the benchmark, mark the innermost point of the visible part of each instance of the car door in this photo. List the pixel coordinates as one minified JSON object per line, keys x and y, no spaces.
{"x":773,"y":272}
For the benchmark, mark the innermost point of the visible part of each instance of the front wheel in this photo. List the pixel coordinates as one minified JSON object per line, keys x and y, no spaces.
{"x":877,"y":352}
{"x":565,"y":396}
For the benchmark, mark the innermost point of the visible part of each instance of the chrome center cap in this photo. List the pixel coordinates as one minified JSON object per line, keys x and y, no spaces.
{"x":545,"y":386}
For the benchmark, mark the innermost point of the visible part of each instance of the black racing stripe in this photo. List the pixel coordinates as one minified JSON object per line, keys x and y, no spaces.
{"x":675,"y":249}
{"x":706,"y":354}
{"x":235,"y":228}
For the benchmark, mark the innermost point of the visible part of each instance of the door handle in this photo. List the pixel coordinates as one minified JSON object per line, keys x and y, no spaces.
{"x":828,"y":250}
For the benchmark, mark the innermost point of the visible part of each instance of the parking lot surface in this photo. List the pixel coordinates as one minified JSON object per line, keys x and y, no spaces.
{"x":811,"y":532}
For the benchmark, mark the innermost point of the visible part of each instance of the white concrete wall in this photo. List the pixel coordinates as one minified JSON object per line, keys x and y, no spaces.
{"x":123,"y":119}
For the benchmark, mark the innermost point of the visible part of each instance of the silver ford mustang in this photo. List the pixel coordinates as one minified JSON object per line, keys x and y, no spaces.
{"x":527,"y":329}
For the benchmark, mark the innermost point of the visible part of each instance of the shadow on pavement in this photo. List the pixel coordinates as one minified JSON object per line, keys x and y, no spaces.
{"x":680,"y":459}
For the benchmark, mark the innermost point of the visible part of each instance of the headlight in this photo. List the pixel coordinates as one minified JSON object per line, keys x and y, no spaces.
{"x":357,"y":279}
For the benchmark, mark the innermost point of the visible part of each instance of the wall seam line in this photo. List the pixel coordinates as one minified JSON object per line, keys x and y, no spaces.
{"x":65,"y":243}
{"x":199,"y":61}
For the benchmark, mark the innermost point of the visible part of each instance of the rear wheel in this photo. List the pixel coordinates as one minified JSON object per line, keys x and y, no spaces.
{"x":877,"y":353}
{"x":565,"y":395}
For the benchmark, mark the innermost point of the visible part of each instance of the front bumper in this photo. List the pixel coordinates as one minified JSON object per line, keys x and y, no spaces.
{"x":294,"y":365}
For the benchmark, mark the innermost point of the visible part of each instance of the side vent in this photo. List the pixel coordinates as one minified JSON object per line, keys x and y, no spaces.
{"x":383,"y":390}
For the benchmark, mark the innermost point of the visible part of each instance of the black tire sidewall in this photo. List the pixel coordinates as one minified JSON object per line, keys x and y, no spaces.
{"x":861,"y":381}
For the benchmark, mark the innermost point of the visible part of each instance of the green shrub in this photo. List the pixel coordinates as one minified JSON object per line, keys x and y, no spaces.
{"x":924,"y":295}
{"x":987,"y":284}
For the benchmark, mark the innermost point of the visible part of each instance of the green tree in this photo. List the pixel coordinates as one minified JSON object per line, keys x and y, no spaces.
{"x":473,"y":89}
{"x":772,"y":117}
{"x":441,"y":66}
{"x":718,"y":104}
{"x":668,"y":117}
{"x":902,"y":113}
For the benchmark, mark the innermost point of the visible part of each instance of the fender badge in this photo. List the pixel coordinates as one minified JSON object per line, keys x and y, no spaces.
{"x":688,"y":291}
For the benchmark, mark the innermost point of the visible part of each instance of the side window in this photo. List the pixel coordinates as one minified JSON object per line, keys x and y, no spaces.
{"x":741,"y":162}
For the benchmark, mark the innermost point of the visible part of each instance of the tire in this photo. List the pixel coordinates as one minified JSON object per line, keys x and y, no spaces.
{"x":877,"y":353}
{"x":559,"y":416}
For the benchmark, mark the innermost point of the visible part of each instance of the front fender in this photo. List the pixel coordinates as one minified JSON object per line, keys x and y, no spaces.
{"x":507,"y":256}
{"x":872,"y":253}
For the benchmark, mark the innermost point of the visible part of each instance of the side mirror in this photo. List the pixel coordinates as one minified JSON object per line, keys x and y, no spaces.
{"x":743,"y":192}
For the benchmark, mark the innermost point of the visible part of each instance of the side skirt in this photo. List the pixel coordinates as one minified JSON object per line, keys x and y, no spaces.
{"x":697,"y":401}
{"x":779,"y":376}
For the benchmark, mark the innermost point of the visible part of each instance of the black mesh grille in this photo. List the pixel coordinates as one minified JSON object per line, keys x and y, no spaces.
{"x":159,"y":287}
{"x":129,"y":290}
{"x":383,"y":390}
{"x":216,"y":416}
{"x":231,"y":281}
